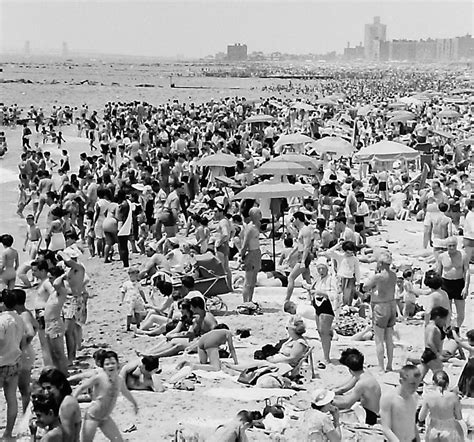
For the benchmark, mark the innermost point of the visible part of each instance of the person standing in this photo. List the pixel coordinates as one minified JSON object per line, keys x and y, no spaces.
{"x":453,"y":266}
{"x":384,"y":308}
{"x":222,"y":241}
{"x":468,"y":231}
{"x":398,"y":408}
{"x":303,"y":249}
{"x":251,"y":254}
{"x":125,"y":217}
{"x":12,"y":331}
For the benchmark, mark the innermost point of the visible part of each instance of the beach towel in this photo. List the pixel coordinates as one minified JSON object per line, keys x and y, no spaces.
{"x":249,"y":394}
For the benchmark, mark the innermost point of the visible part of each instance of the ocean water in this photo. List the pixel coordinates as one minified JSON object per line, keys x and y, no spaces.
{"x":117,"y":82}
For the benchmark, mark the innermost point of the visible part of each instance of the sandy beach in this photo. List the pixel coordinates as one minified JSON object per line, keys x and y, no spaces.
{"x":217,"y":397}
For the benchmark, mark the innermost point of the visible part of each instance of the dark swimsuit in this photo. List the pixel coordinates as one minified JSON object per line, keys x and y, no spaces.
{"x":322,"y":306}
{"x":370,"y":417}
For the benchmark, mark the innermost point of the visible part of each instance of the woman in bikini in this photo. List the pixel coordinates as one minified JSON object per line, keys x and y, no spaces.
{"x":106,"y":387}
{"x":9,"y":262}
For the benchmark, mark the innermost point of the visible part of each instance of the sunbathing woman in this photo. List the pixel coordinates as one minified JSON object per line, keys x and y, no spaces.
{"x":106,"y":387}
{"x":180,"y":338}
{"x":9,"y":262}
{"x":138,"y":374}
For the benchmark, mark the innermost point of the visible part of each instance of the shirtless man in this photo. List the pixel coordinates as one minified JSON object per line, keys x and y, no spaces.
{"x":362,"y":387}
{"x":45,"y":289}
{"x":75,"y":304}
{"x":441,"y":227}
{"x":54,"y":325}
{"x":45,"y":187}
{"x":384,"y":307}
{"x":28,"y":354}
{"x":398,"y":408}
{"x":33,"y":237}
{"x":222,"y":242}
{"x":453,"y":266}
{"x":303,"y":247}
{"x":208,"y":349}
{"x":251,"y":254}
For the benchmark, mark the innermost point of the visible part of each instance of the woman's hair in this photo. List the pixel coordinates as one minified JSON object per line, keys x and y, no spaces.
{"x":150,"y":363}
{"x":57,"y":379}
{"x":221,"y":327}
{"x":433,"y":280}
{"x":197,"y":302}
{"x":6,"y":240}
{"x":98,"y":355}
{"x":441,"y":379}
{"x":300,"y":216}
{"x":109,"y":354}
{"x":470,"y":335}
{"x":353,"y":359}
{"x":349,"y":246}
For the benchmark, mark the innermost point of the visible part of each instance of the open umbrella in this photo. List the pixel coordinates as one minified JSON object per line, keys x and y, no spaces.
{"x":400,"y":118}
{"x":411,"y":100}
{"x":218,"y":160}
{"x":325,"y":102}
{"x":296,"y":138}
{"x":302,"y":160}
{"x":407,"y":115}
{"x":449,"y":113}
{"x":269,"y":190}
{"x":302,"y":106}
{"x":279,"y":168}
{"x":365,"y":110}
{"x":262,"y":118}
{"x":386,"y":151}
{"x":441,"y":133}
{"x":469,"y":141}
{"x":335,"y":145}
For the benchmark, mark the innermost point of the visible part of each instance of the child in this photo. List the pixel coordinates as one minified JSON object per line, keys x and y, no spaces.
{"x":134,"y":298}
{"x":106,"y":386}
{"x":203,"y":233}
{"x":466,"y":380}
{"x":90,"y":233}
{"x":33,"y":236}
{"x":46,"y":410}
{"x":410,"y":292}
{"x":34,"y":196}
{"x":65,"y":164}
{"x":287,"y":259}
{"x":60,"y":139}
{"x":23,"y":199}
{"x":362,"y":215}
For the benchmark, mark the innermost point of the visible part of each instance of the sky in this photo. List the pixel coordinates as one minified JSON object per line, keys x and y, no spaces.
{"x":196,"y":28}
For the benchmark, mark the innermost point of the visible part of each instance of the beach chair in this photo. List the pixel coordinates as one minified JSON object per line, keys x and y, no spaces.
{"x":307,"y":357}
{"x":211,"y":282}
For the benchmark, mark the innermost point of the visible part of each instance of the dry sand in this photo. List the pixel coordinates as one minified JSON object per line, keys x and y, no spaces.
{"x":160,"y":413}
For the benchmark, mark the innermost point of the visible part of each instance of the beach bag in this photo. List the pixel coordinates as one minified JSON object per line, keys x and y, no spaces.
{"x":276,"y":410}
{"x":267,"y":264}
{"x":250,"y":375}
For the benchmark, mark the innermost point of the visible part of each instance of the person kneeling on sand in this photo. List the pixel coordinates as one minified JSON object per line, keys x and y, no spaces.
{"x":362,"y":387}
{"x":233,"y":430}
{"x":208,"y":349}
{"x":137,"y":374}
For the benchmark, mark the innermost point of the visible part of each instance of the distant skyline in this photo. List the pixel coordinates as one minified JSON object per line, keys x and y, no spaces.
{"x":195,"y":29}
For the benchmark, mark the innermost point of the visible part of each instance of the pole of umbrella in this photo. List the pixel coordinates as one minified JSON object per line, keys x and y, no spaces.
{"x":273,"y":239}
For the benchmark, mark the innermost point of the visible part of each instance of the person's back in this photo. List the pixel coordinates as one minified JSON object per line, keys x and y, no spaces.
{"x":441,"y":405}
{"x":370,"y":392}
{"x":386,"y":282}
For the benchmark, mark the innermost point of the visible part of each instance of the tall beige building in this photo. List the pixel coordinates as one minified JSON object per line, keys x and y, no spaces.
{"x":375,"y":35}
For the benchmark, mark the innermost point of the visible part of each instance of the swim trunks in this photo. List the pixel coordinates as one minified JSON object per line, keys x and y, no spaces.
{"x":253,"y":261}
{"x":384,"y":314}
{"x":8,"y":371}
{"x":370,"y":417}
{"x":323,"y":306}
{"x":454,"y":288}
{"x":54,"y":329}
{"x":428,"y":356}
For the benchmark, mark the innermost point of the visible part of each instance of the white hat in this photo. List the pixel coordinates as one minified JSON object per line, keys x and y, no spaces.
{"x":321,"y":261}
{"x":397,"y":188}
{"x":323,"y":397}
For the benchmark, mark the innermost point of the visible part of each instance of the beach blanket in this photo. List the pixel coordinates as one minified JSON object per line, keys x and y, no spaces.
{"x":248,"y":394}
{"x":212,"y":375}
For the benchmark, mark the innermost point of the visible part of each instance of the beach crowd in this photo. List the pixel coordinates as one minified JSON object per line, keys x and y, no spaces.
{"x":181,"y":193}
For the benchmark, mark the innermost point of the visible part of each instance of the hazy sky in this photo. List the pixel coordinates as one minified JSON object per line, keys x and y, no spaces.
{"x":196,"y":28}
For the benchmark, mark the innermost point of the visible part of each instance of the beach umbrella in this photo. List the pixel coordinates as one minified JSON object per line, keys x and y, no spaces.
{"x":386,"y":151}
{"x":401,"y":118}
{"x":272,"y":190}
{"x":403,"y":114}
{"x":397,"y":105}
{"x":280,"y":168}
{"x":302,"y":160}
{"x":449,"y":113}
{"x":456,"y":100}
{"x":218,"y":160}
{"x":335,"y":145}
{"x":469,"y":141}
{"x":462,"y":91}
{"x":302,"y":106}
{"x":441,"y":133}
{"x":365,"y":110}
{"x":411,"y":101}
{"x":262,"y":118}
{"x":325,"y":102}
{"x":289,"y":139}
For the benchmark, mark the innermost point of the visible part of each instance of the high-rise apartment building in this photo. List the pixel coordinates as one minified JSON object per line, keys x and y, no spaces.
{"x":375,"y":35}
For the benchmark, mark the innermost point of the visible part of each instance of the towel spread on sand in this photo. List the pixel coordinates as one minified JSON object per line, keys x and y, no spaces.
{"x":248,"y":394}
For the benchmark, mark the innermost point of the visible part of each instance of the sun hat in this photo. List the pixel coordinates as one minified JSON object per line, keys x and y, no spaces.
{"x":321,"y":261}
{"x":322,"y":397}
